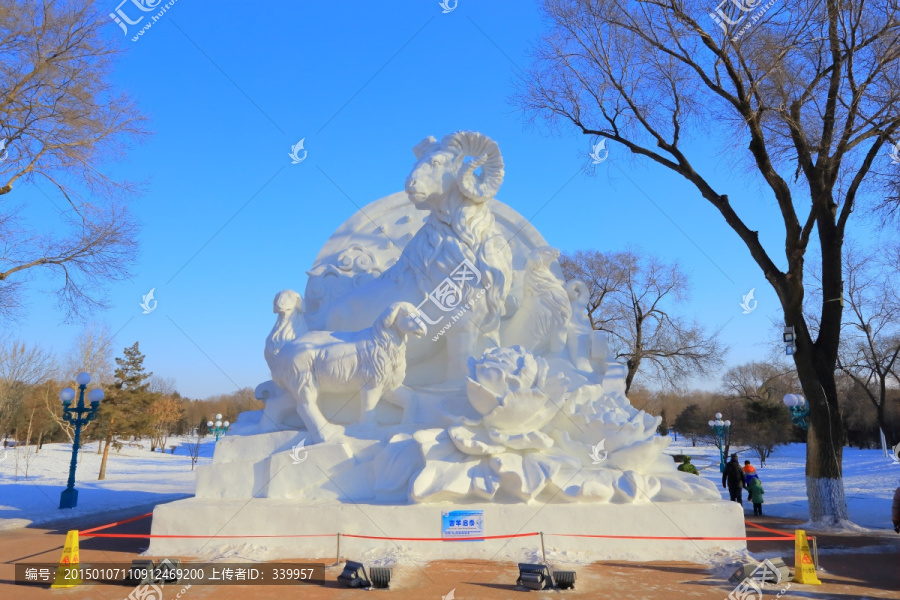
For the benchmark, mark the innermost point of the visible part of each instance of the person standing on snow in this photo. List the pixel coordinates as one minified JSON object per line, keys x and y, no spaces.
{"x":749,"y":475}
{"x":733,"y":479}
{"x":755,"y":488}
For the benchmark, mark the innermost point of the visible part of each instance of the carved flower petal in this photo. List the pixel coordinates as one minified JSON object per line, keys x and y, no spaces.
{"x":482,"y":399}
{"x":524,"y":476}
{"x":530,"y":440}
{"x":475,"y":443}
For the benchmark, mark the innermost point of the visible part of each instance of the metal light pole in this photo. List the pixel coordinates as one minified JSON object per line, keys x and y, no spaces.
{"x":219,"y":428}
{"x":799,"y":409}
{"x":720,"y":429}
{"x":77,"y":416}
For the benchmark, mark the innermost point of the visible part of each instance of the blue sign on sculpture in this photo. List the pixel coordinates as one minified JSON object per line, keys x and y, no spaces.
{"x":462,"y":524}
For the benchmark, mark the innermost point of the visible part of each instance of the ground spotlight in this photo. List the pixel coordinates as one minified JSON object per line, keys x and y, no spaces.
{"x":541,"y":577}
{"x":354,"y":576}
{"x":142,"y":572}
{"x":168,"y":570}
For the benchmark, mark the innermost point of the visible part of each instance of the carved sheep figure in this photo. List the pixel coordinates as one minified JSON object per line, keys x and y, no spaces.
{"x":454,"y":179}
{"x":289,"y":324}
{"x":371,"y":362}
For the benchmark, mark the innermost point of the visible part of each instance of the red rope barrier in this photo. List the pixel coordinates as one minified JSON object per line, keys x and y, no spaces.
{"x":149,"y":514}
{"x":149,"y":535}
{"x":88,"y":533}
{"x":467,"y":539}
{"x":784,"y":533}
{"x":672,"y":537}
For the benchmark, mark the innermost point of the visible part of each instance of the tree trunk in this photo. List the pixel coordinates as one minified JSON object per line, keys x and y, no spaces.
{"x":632,"y":366}
{"x":40,"y":441}
{"x":28,"y":433}
{"x":882,"y":423}
{"x":109,"y":435}
{"x":825,"y":436}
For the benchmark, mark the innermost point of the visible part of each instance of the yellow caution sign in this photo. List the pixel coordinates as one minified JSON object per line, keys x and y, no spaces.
{"x":67,"y":573}
{"x":804,"y":568}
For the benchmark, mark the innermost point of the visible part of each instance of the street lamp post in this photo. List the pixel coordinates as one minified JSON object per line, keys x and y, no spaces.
{"x":219,"y":428}
{"x":78,"y":416}
{"x":799,"y":409}
{"x":720,"y":429}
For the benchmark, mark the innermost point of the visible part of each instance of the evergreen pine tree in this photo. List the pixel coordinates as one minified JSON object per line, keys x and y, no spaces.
{"x":125,"y":411}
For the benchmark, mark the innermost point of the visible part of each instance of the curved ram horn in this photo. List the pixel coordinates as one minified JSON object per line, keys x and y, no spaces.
{"x":486,"y":154}
{"x":424,"y":146}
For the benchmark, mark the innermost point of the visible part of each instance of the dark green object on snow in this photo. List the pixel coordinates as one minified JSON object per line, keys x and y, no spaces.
{"x":756,"y":491}
{"x":687,"y":467}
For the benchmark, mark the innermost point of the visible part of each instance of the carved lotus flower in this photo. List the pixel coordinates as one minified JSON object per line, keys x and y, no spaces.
{"x":506,"y":385}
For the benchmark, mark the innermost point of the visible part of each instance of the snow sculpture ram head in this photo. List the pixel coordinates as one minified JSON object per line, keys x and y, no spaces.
{"x":441,"y":168}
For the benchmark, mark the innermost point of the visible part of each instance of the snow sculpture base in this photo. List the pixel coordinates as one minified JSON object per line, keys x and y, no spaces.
{"x":265,"y":516}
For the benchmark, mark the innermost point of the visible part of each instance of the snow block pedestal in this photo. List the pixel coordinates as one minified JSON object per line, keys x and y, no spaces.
{"x":267,"y":516}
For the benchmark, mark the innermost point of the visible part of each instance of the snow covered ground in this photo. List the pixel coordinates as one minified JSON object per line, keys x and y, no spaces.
{"x":137,"y":477}
{"x":134,"y":477}
{"x":869,"y":480}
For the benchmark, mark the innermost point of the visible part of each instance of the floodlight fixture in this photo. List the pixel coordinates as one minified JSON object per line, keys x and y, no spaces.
{"x":541,"y":577}
{"x":534,"y":577}
{"x":354,"y":576}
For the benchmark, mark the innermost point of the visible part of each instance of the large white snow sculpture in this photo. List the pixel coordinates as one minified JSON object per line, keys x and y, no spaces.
{"x":437,"y":358}
{"x":501,"y":395}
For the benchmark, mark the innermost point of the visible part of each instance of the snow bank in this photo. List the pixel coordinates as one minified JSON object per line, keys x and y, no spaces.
{"x":134,"y":478}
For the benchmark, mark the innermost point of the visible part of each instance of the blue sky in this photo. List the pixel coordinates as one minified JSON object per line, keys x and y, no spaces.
{"x":228,"y":221}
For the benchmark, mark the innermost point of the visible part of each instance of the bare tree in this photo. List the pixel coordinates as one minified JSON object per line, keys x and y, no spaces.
{"x":634,"y":297}
{"x":167,"y":412}
{"x":61,"y":119}
{"x":193,"y":447}
{"x":870,"y":344}
{"x":92,"y":353}
{"x":164,"y":386}
{"x":754,"y":394}
{"x":21,"y":366}
{"x":809,"y":86}
{"x":759,"y":380}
